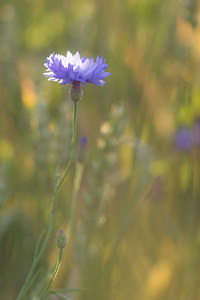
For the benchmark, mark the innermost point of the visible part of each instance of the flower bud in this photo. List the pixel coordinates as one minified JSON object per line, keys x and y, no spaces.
{"x":76,"y":92}
{"x":61,"y":239}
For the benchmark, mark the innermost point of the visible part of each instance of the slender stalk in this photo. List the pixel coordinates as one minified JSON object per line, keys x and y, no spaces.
{"x":53,"y":204}
{"x":45,"y":292}
{"x":73,"y":149}
{"x":76,"y":186}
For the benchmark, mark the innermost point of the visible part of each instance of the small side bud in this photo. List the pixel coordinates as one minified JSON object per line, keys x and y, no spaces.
{"x":76,"y":93}
{"x":61,"y":239}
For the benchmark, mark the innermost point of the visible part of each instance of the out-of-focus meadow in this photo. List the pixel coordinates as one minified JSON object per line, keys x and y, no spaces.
{"x":137,"y":233}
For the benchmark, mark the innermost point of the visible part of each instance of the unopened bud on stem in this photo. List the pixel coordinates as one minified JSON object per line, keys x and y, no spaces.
{"x":61,"y":239}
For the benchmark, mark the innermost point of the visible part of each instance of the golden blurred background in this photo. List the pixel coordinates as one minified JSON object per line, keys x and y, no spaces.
{"x":137,"y":233}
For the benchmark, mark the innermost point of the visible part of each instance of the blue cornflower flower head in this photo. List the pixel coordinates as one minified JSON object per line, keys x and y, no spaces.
{"x":72,"y":69}
{"x":184,"y":139}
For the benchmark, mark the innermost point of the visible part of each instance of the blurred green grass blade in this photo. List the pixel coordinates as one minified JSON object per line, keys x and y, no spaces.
{"x":70,"y":290}
{"x":63,"y":296}
{"x":38,"y":244}
{"x":33,"y":279}
{"x":40,"y":284}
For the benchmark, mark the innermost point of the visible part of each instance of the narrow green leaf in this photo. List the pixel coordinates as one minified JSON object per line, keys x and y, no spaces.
{"x":63,"y":296}
{"x":70,"y":290}
{"x":38,"y":244}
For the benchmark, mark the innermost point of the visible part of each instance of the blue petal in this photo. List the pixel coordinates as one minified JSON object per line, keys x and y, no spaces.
{"x":73,"y":68}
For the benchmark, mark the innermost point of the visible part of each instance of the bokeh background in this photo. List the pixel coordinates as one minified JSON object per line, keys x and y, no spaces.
{"x":137,"y":233}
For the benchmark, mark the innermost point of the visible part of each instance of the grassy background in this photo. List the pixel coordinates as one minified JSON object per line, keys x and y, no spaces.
{"x":138,"y":227}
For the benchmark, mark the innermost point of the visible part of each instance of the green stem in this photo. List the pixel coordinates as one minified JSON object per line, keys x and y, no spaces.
{"x":76,"y":186}
{"x":73,"y":148}
{"x":54,"y":275}
{"x":56,"y":191}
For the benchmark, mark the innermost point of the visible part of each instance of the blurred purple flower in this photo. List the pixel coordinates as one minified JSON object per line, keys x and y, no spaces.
{"x":82,"y":149}
{"x":83,"y":142}
{"x":184,"y":139}
{"x":74,"y":69}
